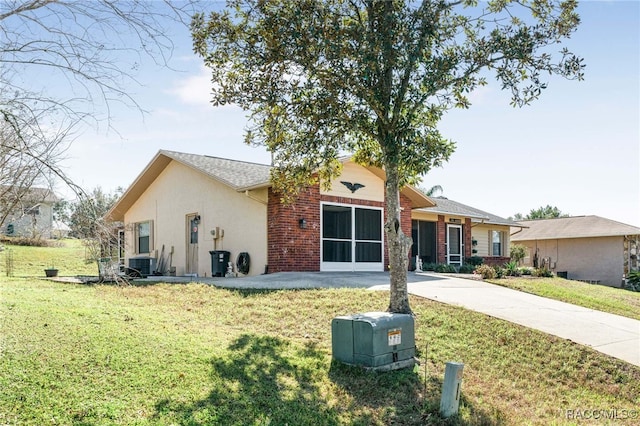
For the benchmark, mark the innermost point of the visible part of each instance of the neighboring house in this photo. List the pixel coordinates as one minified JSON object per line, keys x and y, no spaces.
{"x":33,"y":216}
{"x":586,"y":248}
{"x":188,"y":206}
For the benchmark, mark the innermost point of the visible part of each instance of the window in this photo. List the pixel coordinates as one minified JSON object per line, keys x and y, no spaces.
{"x":34,"y":211}
{"x":143,"y":239}
{"x":352,"y":238}
{"x":496,"y":243}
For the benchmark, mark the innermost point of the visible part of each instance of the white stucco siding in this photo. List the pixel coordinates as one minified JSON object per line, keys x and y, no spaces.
{"x":373,"y":189}
{"x":598,"y":259}
{"x":592,"y":259}
{"x":179,"y":191}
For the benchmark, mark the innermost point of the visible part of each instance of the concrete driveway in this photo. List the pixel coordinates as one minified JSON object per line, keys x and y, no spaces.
{"x":613,"y":335}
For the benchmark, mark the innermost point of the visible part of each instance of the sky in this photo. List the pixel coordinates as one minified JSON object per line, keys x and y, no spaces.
{"x":576,"y":148}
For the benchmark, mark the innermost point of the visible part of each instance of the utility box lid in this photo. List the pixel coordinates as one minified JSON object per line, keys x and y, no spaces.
{"x":373,"y":339}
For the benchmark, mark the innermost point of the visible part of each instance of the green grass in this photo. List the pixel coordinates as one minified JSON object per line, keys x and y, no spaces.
{"x":196,"y":355}
{"x":68,"y":256}
{"x":602,"y":298}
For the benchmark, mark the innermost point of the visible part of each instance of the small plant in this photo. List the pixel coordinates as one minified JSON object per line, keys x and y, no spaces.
{"x":486,"y":271}
{"x":51,"y":271}
{"x":500,"y":272}
{"x":511,"y":269}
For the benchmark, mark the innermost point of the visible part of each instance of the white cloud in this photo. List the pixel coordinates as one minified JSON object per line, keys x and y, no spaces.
{"x":194,"y":90}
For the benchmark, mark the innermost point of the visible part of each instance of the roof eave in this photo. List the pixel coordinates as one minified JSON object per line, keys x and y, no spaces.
{"x":135,"y":190}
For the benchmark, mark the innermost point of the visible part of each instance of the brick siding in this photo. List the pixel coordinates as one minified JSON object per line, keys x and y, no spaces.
{"x":291,"y":248}
{"x":495,"y":260}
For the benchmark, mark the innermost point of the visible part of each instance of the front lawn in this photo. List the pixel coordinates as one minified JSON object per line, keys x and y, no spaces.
{"x":69,"y":256}
{"x":197,"y":355}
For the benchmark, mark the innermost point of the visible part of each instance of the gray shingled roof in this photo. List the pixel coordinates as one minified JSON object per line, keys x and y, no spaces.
{"x":450,"y":207}
{"x":572,"y":227}
{"x":237,"y":174}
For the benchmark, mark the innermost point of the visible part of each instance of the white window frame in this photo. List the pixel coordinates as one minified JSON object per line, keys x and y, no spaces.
{"x":501,"y":238}
{"x":353,"y":265}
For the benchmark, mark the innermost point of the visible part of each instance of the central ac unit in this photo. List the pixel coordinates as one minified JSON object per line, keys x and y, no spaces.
{"x":145,"y":265}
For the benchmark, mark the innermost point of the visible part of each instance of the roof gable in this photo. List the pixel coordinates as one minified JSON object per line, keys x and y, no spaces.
{"x":573,"y":227}
{"x":239,"y":175}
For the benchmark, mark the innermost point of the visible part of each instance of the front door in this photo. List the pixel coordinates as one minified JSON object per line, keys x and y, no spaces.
{"x":193,"y":228}
{"x":454,"y":244}
{"x":351,"y":238}
{"x":424,"y":235}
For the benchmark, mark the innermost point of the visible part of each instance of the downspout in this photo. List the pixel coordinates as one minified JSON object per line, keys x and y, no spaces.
{"x":521,"y":228}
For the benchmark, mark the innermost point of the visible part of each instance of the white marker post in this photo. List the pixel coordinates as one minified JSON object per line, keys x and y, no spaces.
{"x":450,"y":400}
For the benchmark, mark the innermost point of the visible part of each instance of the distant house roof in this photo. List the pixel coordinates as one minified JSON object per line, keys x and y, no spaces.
{"x":450,"y":207}
{"x":572,"y":227}
{"x":239,"y":175}
{"x":32,"y":195}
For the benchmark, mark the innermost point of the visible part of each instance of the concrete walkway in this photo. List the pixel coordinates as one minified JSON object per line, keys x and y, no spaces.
{"x":613,"y":335}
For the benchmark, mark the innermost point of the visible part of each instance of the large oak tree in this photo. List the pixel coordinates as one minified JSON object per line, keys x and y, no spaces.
{"x":373,"y":79}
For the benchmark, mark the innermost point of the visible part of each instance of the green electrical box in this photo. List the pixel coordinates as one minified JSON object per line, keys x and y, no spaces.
{"x":376,"y":340}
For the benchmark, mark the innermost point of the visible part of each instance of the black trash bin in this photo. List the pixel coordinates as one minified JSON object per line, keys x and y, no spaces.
{"x":219,"y":262}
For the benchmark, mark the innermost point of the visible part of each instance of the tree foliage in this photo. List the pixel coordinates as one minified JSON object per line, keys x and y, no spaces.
{"x":547,"y":212}
{"x":86,"y":218}
{"x":373,"y":78}
{"x":517,"y":252}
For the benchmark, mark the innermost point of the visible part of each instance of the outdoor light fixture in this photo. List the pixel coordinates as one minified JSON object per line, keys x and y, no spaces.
{"x":302,"y":223}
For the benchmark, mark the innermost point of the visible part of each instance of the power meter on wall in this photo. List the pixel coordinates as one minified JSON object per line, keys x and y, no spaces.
{"x":217,"y":233}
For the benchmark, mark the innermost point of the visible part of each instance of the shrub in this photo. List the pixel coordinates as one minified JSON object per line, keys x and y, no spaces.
{"x":499,"y":271}
{"x":443,"y":267}
{"x":486,"y":271}
{"x":474,"y":260}
{"x":517,"y":252}
{"x":466,"y":269}
{"x":525,"y":270}
{"x":30,"y":242}
{"x":542,"y":272}
{"x":633,"y":281}
{"x":429,"y":266}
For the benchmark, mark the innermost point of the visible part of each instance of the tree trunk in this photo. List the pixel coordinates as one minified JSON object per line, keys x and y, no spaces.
{"x":398,"y":244}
